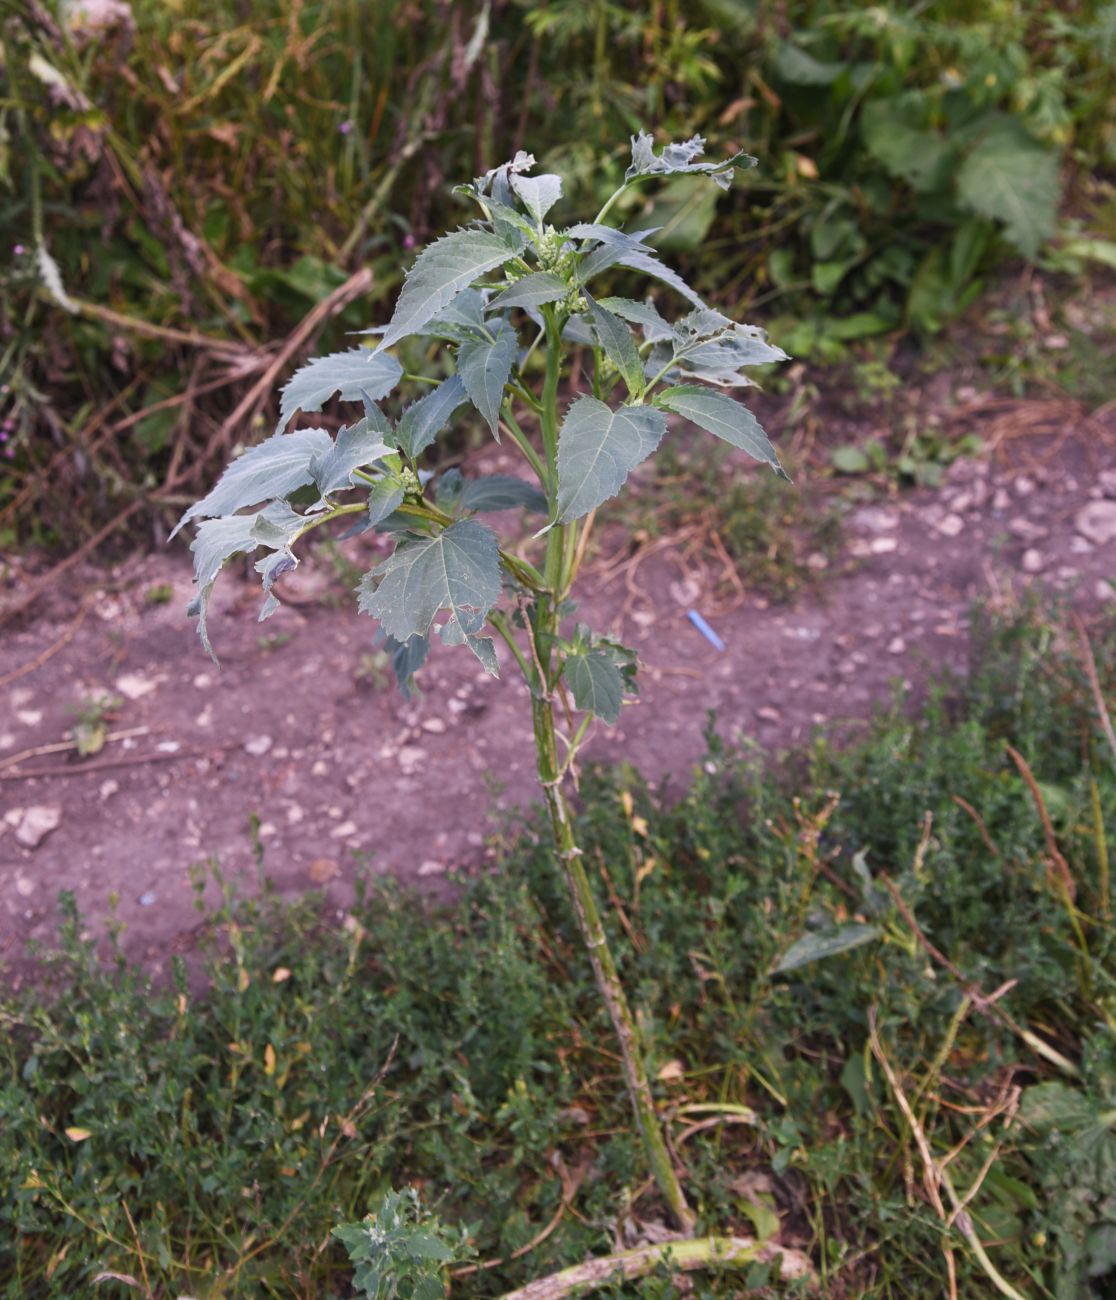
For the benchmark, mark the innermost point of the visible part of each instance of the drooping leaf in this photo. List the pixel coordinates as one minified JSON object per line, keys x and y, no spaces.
{"x":485,"y":366}
{"x":724,"y":417}
{"x":1014,"y":179}
{"x":619,"y":346}
{"x":218,"y":540}
{"x":681,"y":157}
{"x":532,"y":291}
{"x":347,"y":373}
{"x":273,"y":468}
{"x":597,"y":684}
{"x":815,"y":947}
{"x":501,"y":492}
{"x":423,"y":420}
{"x":597,"y":450}
{"x":643,"y":314}
{"x":407,"y":657}
{"x":355,"y":447}
{"x":457,"y":569}
{"x":439,"y":274}
{"x":537,"y":193}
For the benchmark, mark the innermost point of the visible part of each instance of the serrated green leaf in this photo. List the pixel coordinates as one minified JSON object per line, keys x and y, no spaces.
{"x":538,"y":194}
{"x":597,"y":684}
{"x":501,"y":492}
{"x":815,"y":947}
{"x":484,"y":367}
{"x":423,"y":420}
{"x":457,"y":570}
{"x":678,"y":158}
{"x":439,"y":274}
{"x":597,"y":450}
{"x":349,"y":374}
{"x":532,"y":291}
{"x":654,"y":327}
{"x":355,"y":446}
{"x":724,"y":417}
{"x":1013,"y":179}
{"x":273,"y":468}
{"x":620,"y":249}
{"x":385,"y":498}
{"x":619,"y":346}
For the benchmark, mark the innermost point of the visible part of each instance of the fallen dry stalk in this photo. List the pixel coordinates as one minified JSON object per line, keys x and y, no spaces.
{"x":683,"y":1256}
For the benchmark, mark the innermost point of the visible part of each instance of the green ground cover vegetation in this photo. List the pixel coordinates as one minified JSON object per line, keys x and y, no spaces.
{"x":204,"y":1138}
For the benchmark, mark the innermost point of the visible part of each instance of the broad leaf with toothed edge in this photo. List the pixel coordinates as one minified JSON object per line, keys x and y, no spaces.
{"x":485,"y":367}
{"x":457,"y":569}
{"x":597,"y":450}
{"x":538,"y":194}
{"x":596,"y":683}
{"x":532,"y":291}
{"x":273,"y":468}
{"x":724,"y":417}
{"x":423,"y":420}
{"x":439,"y":274}
{"x":619,"y":346}
{"x":355,"y":447}
{"x":679,"y":158}
{"x":349,"y":374}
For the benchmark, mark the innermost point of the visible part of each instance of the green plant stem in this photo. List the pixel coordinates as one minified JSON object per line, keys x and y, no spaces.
{"x":604,"y":968}
{"x":543,"y":627}
{"x":524,"y":444}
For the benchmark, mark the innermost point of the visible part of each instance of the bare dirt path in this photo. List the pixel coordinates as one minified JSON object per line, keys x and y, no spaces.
{"x":340,"y":770}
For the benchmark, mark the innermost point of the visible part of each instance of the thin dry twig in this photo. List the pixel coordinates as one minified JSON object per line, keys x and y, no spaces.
{"x":62,"y":746}
{"x":978,"y":820}
{"x":49,"y":653}
{"x":1048,"y":829}
{"x":1090,"y":664}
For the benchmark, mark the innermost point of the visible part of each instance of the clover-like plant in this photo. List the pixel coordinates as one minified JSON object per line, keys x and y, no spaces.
{"x":511,"y":298}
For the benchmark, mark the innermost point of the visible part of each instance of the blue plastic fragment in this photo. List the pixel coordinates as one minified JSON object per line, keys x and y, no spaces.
{"x":706,"y":631}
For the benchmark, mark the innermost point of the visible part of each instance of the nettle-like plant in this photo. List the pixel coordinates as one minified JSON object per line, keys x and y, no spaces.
{"x":510,"y":297}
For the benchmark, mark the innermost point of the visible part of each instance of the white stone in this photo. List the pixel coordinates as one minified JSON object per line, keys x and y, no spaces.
{"x":951,"y":525}
{"x":258,"y":746}
{"x":431,"y":868}
{"x":108,"y":788}
{"x":1097,"y":522}
{"x":24,"y":886}
{"x":1033,"y":561}
{"x":37,"y":823}
{"x":896,"y":646}
{"x":134,"y":687}
{"x":344,"y":831}
{"x":29,"y":717}
{"x":436,"y":726}
{"x":883,"y":545}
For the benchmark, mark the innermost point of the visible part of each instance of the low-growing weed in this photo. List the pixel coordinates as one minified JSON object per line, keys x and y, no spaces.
{"x":207,"y":1143}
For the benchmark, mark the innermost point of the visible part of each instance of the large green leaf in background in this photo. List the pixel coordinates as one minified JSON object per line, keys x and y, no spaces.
{"x":1012,"y":178}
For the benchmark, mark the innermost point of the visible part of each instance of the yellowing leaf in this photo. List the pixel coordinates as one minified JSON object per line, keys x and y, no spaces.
{"x":269,"y":1059}
{"x":626,"y":802}
{"x":78,"y":1134}
{"x":672,"y":1071}
{"x":639,"y":825}
{"x":281,"y":974}
{"x":243,"y":979}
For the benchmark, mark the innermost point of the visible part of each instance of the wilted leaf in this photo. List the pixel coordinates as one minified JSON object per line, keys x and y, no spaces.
{"x":681,"y":157}
{"x":78,"y":1134}
{"x":274,"y":468}
{"x":597,"y":450}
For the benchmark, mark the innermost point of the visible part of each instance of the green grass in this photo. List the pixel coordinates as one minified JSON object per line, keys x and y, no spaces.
{"x":461,"y":1050}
